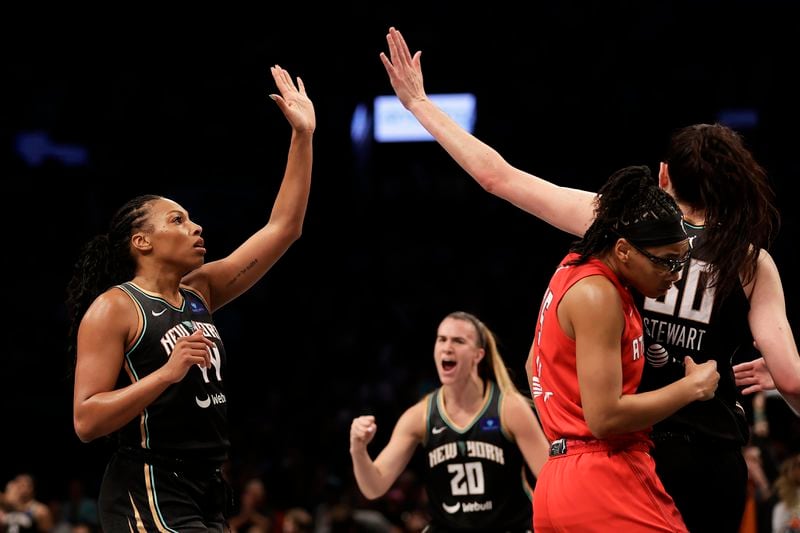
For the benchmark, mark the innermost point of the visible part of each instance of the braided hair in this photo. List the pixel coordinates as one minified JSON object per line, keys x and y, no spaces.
{"x":105,"y":260}
{"x":630,"y":204}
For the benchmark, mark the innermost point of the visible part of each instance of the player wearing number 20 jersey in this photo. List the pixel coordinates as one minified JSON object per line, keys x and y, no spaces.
{"x":475,"y":474}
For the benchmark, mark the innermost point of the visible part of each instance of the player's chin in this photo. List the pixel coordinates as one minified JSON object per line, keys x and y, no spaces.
{"x":197,"y":262}
{"x":658,"y":292}
{"x":445,"y":377}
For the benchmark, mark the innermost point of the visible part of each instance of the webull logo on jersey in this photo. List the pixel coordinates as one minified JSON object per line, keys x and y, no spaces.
{"x":215,"y":399}
{"x":467,"y":507}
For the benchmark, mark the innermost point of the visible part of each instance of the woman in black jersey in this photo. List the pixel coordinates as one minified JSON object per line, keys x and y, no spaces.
{"x":477,"y":431}
{"x":150,"y":364}
{"x":730,"y":293}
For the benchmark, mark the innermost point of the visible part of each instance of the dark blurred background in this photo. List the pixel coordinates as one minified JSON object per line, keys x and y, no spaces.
{"x":103,"y":106}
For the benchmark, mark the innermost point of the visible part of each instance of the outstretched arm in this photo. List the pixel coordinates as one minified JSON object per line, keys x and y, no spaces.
{"x":772,"y":332}
{"x":222,"y":281}
{"x":376,"y":477}
{"x":570,"y":210}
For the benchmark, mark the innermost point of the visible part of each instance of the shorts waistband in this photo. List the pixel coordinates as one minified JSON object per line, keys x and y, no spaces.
{"x":167,"y":462}
{"x":694,"y":438}
{"x":563,"y":446}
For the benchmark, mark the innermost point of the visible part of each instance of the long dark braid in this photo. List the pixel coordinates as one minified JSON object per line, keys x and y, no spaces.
{"x":630,"y":196}
{"x":105,"y":261}
{"x":712,"y":170}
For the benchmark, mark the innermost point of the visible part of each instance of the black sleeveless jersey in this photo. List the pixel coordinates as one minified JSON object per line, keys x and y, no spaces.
{"x":691,"y":320}
{"x":189,"y":418}
{"x":475,"y":476}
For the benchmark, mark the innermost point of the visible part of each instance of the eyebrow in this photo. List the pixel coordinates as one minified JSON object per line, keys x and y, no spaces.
{"x":456,"y":338}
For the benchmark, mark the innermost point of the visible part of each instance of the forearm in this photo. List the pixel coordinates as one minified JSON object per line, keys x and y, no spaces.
{"x":783,"y":364}
{"x":372,"y":483}
{"x":567,"y":209}
{"x":772,"y":332}
{"x":635,"y":412}
{"x":477,"y":158}
{"x":228,"y":278}
{"x":106,"y":412}
{"x":289,"y":208}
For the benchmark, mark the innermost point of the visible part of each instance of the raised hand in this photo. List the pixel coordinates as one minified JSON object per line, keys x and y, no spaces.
{"x":405,"y":71}
{"x":293,"y":101}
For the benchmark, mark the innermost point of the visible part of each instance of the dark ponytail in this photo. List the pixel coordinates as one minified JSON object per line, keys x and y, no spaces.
{"x":105,"y":261}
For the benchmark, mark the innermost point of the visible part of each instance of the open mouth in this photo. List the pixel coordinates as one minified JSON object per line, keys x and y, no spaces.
{"x":448,"y":364}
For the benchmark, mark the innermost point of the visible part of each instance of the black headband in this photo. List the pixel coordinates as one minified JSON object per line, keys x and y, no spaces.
{"x":654,"y":232}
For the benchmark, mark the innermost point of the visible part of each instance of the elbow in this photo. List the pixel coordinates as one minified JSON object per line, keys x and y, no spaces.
{"x":84,"y":435}
{"x":296,"y":233}
{"x":601,"y":427}
{"x":490,"y":171}
{"x":789,"y":387}
{"x":84,"y":429}
{"x":371,"y":490}
{"x":600,"y":433}
{"x":371,"y":495}
{"x":488,"y":181}
{"x":292,"y":232}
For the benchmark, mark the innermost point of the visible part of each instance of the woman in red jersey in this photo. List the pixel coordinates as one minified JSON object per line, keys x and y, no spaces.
{"x":587,"y":359}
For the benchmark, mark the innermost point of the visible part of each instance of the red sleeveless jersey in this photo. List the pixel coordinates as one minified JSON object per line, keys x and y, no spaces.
{"x":554,"y":382}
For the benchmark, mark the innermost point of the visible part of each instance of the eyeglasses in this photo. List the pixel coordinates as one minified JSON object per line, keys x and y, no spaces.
{"x":667,"y":263}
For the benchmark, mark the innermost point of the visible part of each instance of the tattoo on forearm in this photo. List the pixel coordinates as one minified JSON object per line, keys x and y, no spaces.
{"x":242,"y":272}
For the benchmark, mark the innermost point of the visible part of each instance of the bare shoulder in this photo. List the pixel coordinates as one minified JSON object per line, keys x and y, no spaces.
{"x":766,"y":276}
{"x":766,"y":262}
{"x":592,"y":289}
{"x":113,"y":301}
{"x":516,"y":401}
{"x":412,"y":421}
{"x":517,"y":408}
{"x":111,"y":312}
{"x":580,"y":304}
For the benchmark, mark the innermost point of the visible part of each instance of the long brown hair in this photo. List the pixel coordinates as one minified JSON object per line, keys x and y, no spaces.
{"x":711,"y":170}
